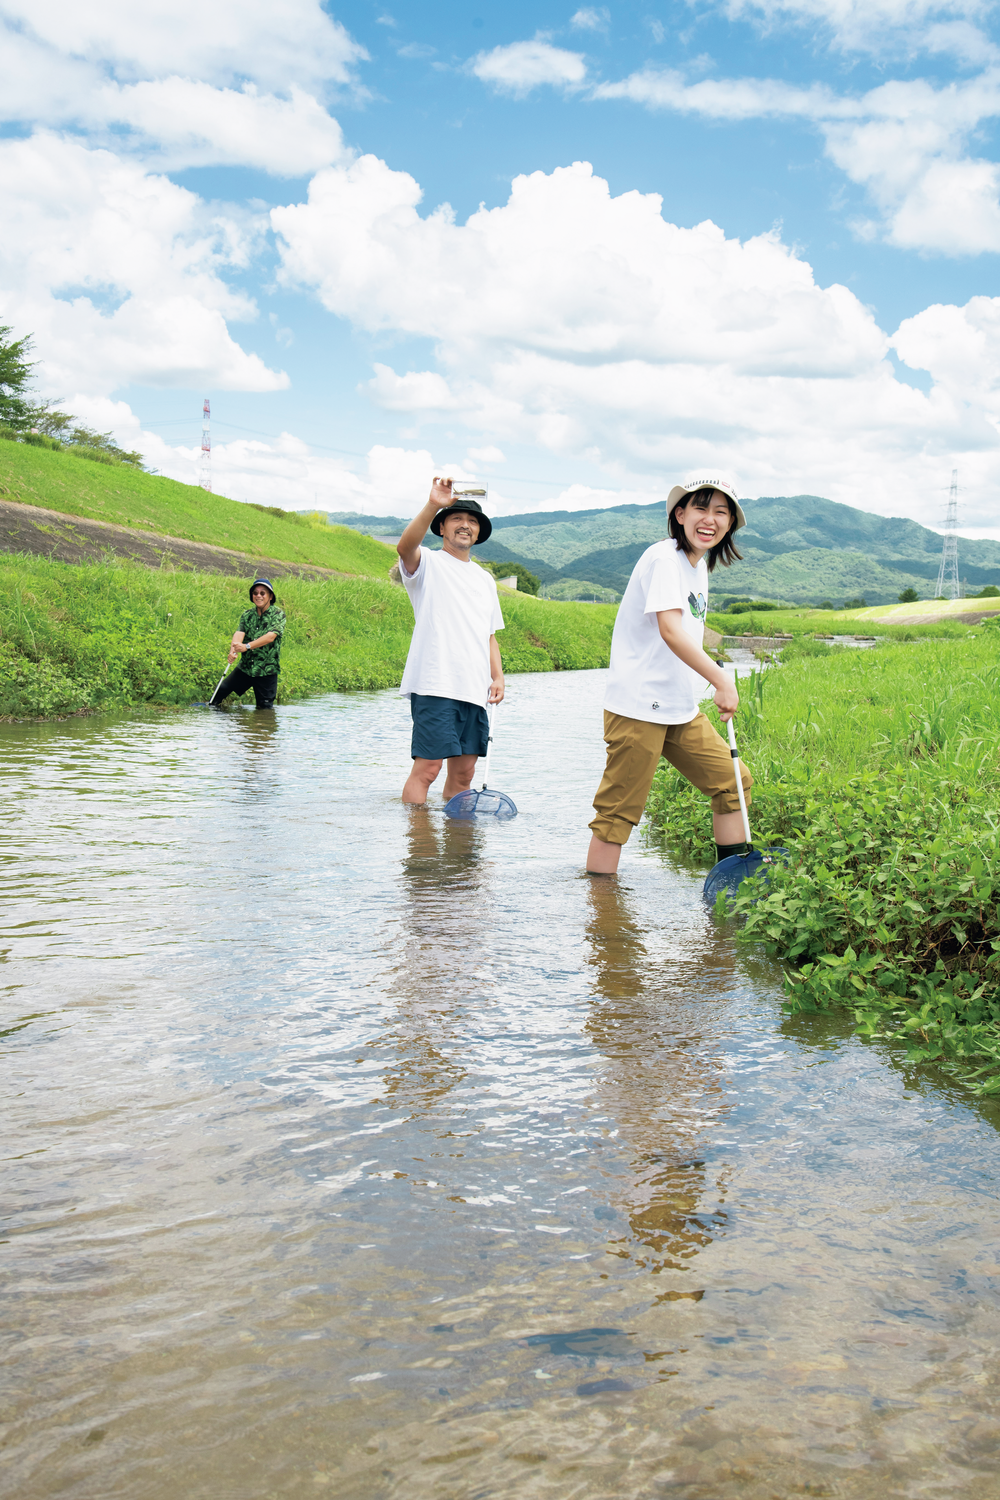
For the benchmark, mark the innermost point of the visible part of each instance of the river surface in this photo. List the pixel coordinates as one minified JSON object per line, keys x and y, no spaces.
{"x":353,"y":1151}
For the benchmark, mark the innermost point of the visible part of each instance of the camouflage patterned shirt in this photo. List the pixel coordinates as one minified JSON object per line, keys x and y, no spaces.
{"x":265,"y":659}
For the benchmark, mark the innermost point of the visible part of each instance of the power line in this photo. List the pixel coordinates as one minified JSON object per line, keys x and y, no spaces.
{"x":558,"y":484}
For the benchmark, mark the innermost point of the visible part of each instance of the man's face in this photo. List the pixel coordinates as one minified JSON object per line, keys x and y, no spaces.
{"x":461,"y":529}
{"x":262,"y":598}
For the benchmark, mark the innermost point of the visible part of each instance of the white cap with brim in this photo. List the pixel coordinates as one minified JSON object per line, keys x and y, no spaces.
{"x":682,"y":491}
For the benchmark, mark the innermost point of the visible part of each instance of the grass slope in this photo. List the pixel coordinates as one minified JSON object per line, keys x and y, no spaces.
{"x":891,"y":623}
{"x":129,"y":497}
{"x":77,"y":638}
{"x":878,"y":771}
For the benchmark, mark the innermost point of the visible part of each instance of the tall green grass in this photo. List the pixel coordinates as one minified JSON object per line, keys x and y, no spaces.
{"x":811,"y":622}
{"x":130,"y":497}
{"x":879,"y":771}
{"x":74,"y":638}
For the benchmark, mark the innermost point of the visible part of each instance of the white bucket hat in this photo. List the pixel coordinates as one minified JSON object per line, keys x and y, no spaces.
{"x":724,"y":486}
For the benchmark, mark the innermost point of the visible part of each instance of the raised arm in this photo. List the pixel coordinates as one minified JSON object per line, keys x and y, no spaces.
{"x":408,"y":545}
{"x":727,"y":699}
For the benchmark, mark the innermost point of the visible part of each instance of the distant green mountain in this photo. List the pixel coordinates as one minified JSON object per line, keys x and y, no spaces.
{"x":801,"y":548}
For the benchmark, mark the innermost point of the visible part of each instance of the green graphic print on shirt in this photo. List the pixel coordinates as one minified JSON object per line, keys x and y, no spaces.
{"x":698,"y":606}
{"x":266,"y":659}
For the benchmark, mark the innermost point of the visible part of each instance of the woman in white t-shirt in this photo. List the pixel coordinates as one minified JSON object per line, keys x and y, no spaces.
{"x":657,"y":677}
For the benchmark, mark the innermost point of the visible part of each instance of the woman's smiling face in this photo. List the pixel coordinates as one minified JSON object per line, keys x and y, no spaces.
{"x":705,"y":524}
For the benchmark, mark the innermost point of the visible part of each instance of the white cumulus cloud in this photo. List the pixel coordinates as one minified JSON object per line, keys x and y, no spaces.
{"x":119,"y":275}
{"x":868,"y":25}
{"x":194,"y":85}
{"x":217,"y":41}
{"x":179,"y":123}
{"x":589,"y":18}
{"x":523,"y":66}
{"x":592,"y":326}
{"x":905,"y":142}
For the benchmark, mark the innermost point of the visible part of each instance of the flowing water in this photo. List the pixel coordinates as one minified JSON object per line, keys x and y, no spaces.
{"x":352,"y":1151}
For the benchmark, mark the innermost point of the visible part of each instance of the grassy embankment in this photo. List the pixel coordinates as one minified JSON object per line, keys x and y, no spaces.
{"x":896,"y":622}
{"x":880,"y":772}
{"x":124,"y":496}
{"x":75,"y":638}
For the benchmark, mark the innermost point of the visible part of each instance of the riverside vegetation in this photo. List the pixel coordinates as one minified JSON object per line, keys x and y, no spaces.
{"x":879,"y":771}
{"x":77,"y":638}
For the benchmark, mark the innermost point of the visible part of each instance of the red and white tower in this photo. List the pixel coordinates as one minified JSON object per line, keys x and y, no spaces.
{"x":205,"y":479}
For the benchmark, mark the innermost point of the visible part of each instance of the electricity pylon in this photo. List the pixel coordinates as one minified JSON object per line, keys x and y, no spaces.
{"x":205,"y":477}
{"x":948,"y":586}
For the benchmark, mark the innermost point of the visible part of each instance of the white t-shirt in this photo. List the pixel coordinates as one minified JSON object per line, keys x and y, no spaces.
{"x":647,"y":681}
{"x":456,"y":609}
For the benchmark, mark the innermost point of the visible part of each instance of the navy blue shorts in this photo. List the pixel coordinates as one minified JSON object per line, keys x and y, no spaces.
{"x":443,"y":727}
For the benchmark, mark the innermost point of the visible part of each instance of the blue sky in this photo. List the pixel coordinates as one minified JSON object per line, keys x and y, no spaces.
{"x":780,"y":263}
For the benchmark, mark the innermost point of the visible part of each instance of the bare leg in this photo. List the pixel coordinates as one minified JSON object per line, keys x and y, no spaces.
{"x":602,"y":858}
{"x":419,"y":781}
{"x":461,"y":769}
{"x":728,"y":828}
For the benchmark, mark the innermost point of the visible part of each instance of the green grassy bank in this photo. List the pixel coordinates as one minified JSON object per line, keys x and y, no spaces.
{"x":76,"y":638}
{"x":880,"y":772}
{"x":812,"y":622}
{"x":124,"y":496}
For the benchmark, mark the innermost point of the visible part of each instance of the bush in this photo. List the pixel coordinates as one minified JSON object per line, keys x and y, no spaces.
{"x":908,"y":596}
{"x":989,"y":592}
{"x":858,"y":603}
{"x":96,"y":455}
{"x":874,"y":769}
{"x":527,"y":583}
{"x":115,"y":634}
{"x":747,"y":606}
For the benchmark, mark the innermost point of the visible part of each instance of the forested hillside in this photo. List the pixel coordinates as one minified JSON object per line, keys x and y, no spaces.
{"x":800,"y":548}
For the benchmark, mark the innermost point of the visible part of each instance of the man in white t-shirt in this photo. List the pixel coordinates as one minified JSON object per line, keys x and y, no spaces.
{"x":657,"y":677}
{"x":453,"y":666}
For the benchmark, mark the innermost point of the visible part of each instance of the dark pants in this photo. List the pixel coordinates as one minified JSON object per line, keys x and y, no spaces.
{"x":265,"y":689}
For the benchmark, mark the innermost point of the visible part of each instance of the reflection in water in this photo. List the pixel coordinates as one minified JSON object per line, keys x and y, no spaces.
{"x":321,"y":1112}
{"x":443,"y":906}
{"x":661,"y":1085}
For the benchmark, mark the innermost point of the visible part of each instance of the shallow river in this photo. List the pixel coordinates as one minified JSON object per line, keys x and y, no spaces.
{"x":351,"y":1151}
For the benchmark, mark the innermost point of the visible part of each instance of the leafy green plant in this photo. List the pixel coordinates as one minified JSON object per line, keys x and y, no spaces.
{"x":115,"y":634}
{"x":881,"y":779}
{"x":527,"y":583}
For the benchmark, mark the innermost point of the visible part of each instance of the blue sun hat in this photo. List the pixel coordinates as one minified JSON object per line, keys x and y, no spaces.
{"x":267,"y":584}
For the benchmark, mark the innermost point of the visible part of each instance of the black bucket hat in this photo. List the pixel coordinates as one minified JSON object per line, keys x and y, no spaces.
{"x":471,"y":508}
{"x":267,"y":584}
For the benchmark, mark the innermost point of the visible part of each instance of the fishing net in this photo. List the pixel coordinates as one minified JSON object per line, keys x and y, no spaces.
{"x":729,"y":873}
{"x":484,"y":803}
{"x":481,"y":804}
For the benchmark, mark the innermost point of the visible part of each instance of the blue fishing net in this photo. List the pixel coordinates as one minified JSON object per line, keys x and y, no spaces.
{"x":729,"y":873}
{"x":481,"y":804}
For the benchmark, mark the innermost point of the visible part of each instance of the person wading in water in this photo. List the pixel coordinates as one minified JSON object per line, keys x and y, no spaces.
{"x":657,"y":675}
{"x":256,"y":645}
{"x":453,"y":667}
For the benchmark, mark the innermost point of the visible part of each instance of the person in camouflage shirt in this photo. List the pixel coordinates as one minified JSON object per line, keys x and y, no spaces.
{"x":256,"y":645}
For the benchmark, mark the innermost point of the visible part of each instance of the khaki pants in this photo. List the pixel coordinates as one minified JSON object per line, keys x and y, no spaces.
{"x":634,"y":751}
